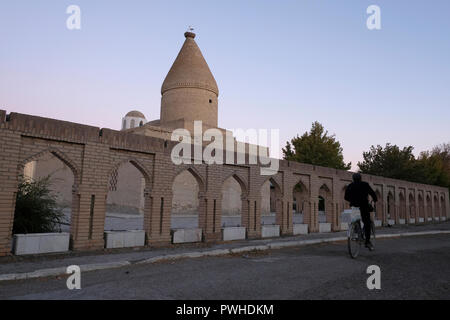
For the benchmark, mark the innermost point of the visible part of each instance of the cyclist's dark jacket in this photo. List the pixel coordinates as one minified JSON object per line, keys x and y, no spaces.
{"x":357,"y":193}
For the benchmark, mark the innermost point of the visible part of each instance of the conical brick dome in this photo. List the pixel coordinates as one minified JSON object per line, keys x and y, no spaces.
{"x":190,"y":69}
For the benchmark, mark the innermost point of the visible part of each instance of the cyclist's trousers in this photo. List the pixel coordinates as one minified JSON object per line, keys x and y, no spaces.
{"x":365,"y":216}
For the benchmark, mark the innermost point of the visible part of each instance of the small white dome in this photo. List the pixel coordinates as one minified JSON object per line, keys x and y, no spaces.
{"x":133,"y":119}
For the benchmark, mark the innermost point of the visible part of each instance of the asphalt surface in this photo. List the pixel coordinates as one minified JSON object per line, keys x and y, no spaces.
{"x":411,"y":268}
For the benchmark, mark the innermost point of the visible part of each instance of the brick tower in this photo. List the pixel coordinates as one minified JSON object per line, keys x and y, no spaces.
{"x":189,"y":91}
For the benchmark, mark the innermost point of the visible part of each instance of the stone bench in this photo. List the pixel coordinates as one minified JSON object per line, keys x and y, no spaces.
{"x":324,"y":227}
{"x":186,"y":235}
{"x":300,"y":228}
{"x":36,"y":243}
{"x":233,"y":233}
{"x":270,"y":231}
{"x":124,"y":239}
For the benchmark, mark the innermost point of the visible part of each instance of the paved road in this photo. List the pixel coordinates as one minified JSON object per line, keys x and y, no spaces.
{"x":411,"y":268}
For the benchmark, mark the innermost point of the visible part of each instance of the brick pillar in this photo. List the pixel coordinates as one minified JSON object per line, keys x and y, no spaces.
{"x":9,"y":154}
{"x":307,"y":213}
{"x":314,"y":215}
{"x":279,"y":212}
{"x":88,"y":219}
{"x":329,"y":210}
{"x":157,"y":217}
{"x":287,"y":226}
{"x":7,"y":207}
{"x":447,"y":205}
{"x":209,"y":221}
{"x":245,"y":212}
{"x":433,"y":208}
{"x":336,"y":222}
{"x":407,"y":208}
{"x":416,"y":205}
{"x":439,"y":211}
{"x":397,"y":207}
{"x":254,"y":217}
{"x":385,"y":205}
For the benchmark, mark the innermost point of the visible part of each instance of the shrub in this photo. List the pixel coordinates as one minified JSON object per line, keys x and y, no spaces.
{"x":36,"y":208}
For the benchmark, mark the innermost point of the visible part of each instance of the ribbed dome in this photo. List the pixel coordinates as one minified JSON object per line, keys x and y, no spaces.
{"x":190,"y":69}
{"x":136,"y":114}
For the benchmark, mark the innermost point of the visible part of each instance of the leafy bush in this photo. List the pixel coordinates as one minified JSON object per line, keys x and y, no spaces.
{"x":36,"y":208}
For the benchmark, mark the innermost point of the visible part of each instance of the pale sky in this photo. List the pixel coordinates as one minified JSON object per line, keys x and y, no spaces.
{"x":278,"y":64}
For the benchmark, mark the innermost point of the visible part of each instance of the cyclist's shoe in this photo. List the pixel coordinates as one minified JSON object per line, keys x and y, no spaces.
{"x":369,"y":246}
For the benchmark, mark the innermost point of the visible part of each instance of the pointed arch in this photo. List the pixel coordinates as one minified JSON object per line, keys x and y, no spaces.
{"x":274,"y":183}
{"x":242,"y":182}
{"x":188,"y":191}
{"x":300,"y":199}
{"x":138,"y":165}
{"x":58,"y":154}
{"x":198,"y":177}
{"x":325,"y":187}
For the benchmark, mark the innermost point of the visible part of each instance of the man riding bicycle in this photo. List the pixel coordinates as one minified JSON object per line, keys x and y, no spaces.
{"x":357,"y":194}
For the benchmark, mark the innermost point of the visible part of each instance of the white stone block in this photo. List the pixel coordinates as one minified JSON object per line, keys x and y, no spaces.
{"x":270,"y":231}
{"x":324,"y":227}
{"x":378,"y":223}
{"x":344,"y":226}
{"x":391,"y":222}
{"x":412,"y":221}
{"x":421,"y":220}
{"x":124,"y":239}
{"x":402,"y":221}
{"x":436,"y":218}
{"x":233,"y":233}
{"x":443,"y":219}
{"x":40,"y":243}
{"x":300,"y":228}
{"x":186,"y":235}
{"x":429,"y":219}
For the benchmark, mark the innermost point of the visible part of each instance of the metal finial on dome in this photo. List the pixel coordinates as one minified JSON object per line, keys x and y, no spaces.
{"x":190,"y":32}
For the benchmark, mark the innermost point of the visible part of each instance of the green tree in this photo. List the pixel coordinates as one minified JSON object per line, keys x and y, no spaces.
{"x":316,"y":147}
{"x":430,"y":167}
{"x":36,"y":208}
{"x":390,"y":161}
{"x":434,"y":166}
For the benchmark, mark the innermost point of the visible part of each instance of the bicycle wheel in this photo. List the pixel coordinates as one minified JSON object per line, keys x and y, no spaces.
{"x":354,"y":240}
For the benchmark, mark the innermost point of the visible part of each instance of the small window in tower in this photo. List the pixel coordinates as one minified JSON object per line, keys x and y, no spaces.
{"x":132,"y":123}
{"x":210,"y":100}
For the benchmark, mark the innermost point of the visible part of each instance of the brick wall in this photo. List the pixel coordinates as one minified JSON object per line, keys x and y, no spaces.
{"x":93,"y":154}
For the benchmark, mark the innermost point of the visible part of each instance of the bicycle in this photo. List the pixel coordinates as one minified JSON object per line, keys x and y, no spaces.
{"x":355,"y":233}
